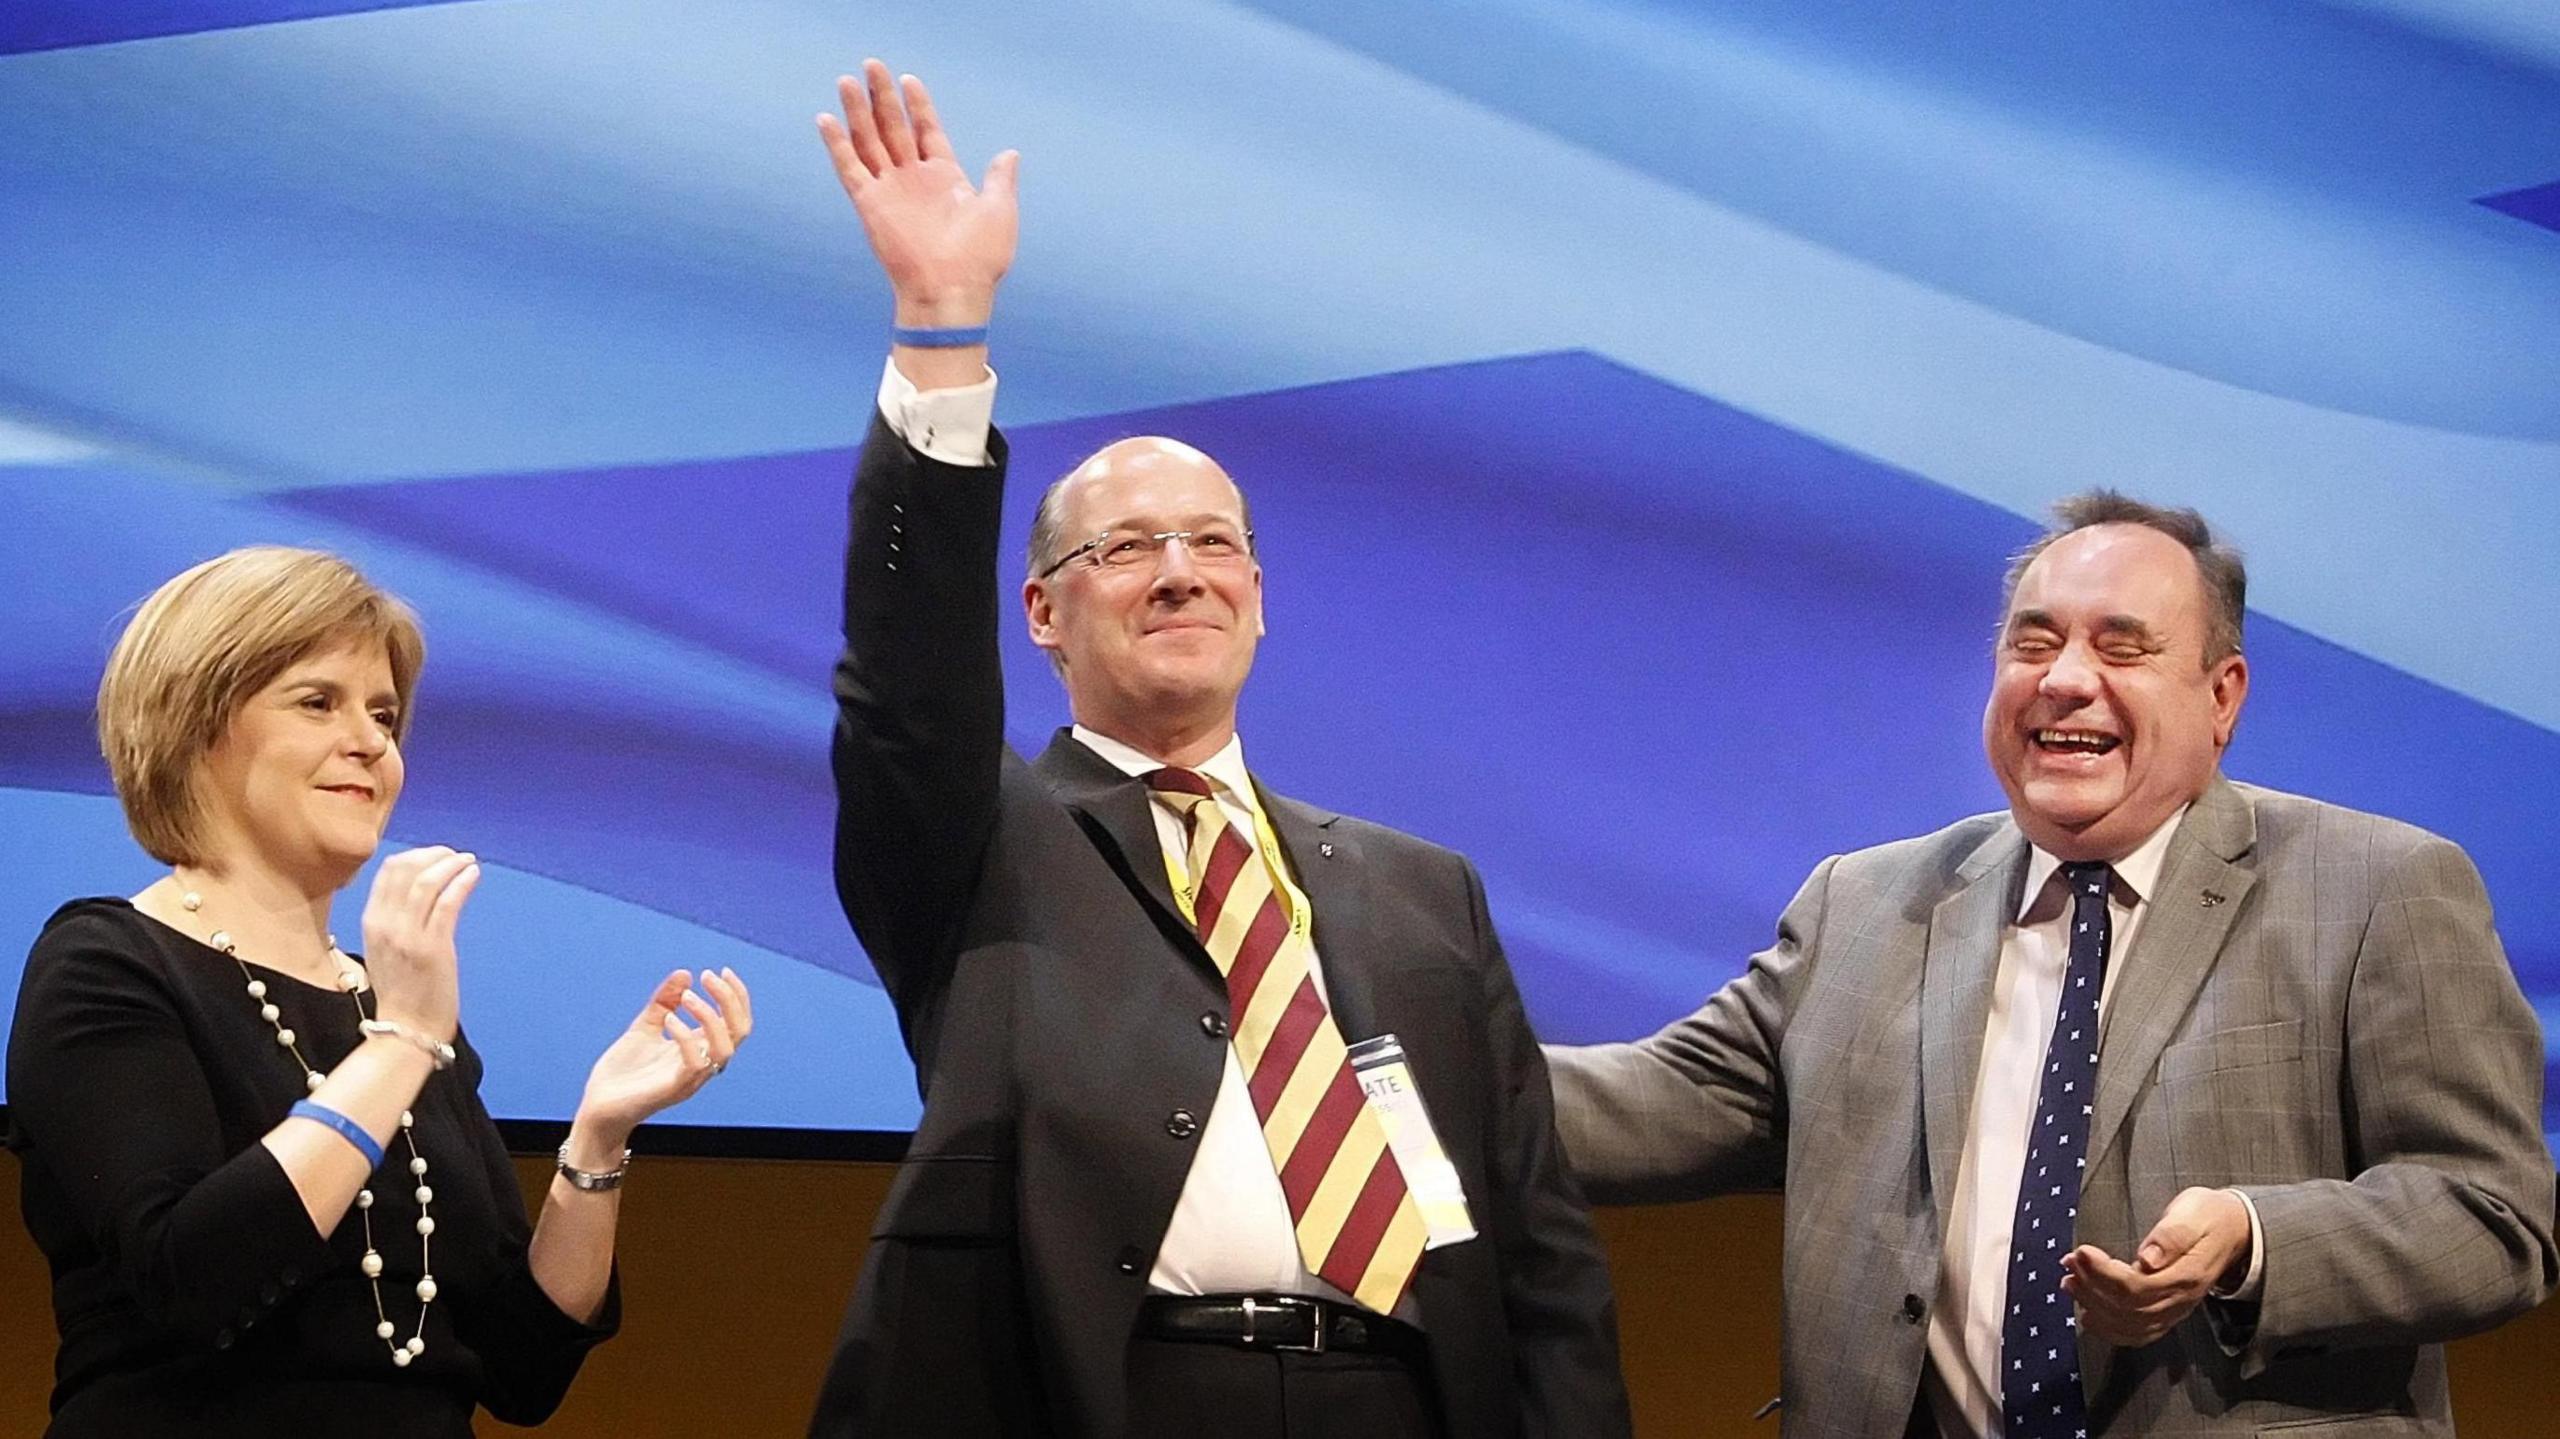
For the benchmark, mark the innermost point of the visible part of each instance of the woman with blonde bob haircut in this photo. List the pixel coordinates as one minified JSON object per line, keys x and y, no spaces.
{"x":202,"y":644}
{"x":258,"y":1165}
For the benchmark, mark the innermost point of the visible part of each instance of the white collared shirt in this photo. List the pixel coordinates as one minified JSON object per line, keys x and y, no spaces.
{"x":1963,"y":1381}
{"x":1231,"y":1232}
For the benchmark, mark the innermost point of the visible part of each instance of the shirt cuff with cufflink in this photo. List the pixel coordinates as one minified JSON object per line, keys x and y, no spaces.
{"x":950,"y":426}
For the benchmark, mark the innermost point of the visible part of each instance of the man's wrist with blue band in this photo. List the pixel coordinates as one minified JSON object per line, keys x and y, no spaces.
{"x":938,"y":337}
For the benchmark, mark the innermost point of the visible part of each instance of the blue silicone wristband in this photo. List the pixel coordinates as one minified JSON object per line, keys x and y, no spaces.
{"x":951,"y":338}
{"x":348,"y":1129}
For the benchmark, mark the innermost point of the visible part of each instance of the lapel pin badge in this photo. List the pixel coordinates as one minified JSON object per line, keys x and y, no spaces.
{"x":2213,"y":897}
{"x":1325,"y":848}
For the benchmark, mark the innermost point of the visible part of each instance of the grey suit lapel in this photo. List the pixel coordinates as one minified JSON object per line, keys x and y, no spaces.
{"x":1956,"y":972}
{"x":1326,"y":864}
{"x":2202,"y":884}
{"x":1115,"y":810}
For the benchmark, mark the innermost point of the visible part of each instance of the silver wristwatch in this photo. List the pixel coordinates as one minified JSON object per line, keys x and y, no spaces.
{"x":591,"y":1181}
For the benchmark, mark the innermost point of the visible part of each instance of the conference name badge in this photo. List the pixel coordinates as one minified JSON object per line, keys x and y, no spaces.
{"x":1387,"y":1079}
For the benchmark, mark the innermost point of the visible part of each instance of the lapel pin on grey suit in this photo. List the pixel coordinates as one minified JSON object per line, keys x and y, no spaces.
{"x":2213,"y":897}
{"x":1325,"y":848}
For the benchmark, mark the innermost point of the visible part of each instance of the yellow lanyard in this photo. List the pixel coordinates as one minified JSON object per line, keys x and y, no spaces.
{"x":1177,"y":867}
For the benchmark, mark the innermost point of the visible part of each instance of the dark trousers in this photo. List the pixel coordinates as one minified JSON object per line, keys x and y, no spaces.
{"x":1179,"y":1388}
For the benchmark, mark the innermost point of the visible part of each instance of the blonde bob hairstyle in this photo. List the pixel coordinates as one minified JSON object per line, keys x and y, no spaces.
{"x":202,"y":645}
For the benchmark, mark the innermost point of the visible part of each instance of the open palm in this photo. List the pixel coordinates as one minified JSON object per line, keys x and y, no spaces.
{"x":940,"y":239}
{"x":660,"y":1060}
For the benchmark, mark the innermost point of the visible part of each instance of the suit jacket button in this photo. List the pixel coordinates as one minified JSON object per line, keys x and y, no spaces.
{"x":1181,"y":1124}
{"x":1214,"y":1025}
{"x":1129,"y":1259}
{"x":1912,"y":1308}
{"x":224,"y":1339}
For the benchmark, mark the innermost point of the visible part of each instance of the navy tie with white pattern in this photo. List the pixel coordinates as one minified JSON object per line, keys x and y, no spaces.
{"x":2040,"y":1339}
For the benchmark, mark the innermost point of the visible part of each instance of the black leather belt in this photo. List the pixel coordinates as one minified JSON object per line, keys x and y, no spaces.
{"x":1279,"y":1321}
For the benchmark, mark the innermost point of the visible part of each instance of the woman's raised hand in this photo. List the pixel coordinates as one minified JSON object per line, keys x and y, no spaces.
{"x":661,"y":1059}
{"x":409,"y":921}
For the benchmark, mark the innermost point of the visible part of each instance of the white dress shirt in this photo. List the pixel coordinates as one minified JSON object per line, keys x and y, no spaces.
{"x":1963,"y":1380}
{"x":1231,"y":1232}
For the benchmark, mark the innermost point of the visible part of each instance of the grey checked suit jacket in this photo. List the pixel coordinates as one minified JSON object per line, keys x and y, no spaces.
{"x":2318,"y":1012}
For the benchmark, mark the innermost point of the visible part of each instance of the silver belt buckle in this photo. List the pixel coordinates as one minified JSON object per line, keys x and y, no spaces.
{"x":1313,"y":1309}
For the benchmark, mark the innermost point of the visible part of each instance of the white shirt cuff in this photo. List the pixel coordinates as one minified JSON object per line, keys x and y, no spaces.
{"x":946,"y":425}
{"x":2251,"y":1283}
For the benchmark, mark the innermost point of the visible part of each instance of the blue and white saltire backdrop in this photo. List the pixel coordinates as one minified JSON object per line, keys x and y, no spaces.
{"x":1650,"y":383}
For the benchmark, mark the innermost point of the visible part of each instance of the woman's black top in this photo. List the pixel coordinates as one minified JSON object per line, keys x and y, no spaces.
{"x":190,"y":1291}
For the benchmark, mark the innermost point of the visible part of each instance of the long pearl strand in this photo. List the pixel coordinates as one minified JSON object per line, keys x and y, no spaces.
{"x":350,"y":978}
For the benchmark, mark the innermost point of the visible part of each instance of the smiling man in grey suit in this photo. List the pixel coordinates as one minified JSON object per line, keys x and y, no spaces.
{"x":2158,"y":1105}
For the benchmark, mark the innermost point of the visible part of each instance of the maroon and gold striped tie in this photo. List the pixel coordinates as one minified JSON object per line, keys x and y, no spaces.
{"x":1358,"y":1227}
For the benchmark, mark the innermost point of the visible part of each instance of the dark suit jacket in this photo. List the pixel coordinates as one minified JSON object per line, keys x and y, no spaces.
{"x":2316,"y":1011}
{"x":1059,"y":1010}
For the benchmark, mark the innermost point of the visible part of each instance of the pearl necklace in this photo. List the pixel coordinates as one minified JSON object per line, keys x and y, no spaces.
{"x":403,"y":1353}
